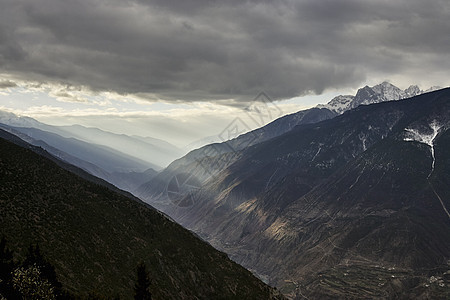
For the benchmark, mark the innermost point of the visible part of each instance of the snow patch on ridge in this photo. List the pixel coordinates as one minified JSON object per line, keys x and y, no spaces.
{"x":427,"y":139}
{"x":424,"y":138}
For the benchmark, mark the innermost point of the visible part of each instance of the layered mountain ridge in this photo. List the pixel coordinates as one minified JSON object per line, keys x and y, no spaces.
{"x":210,"y":159}
{"x":125,"y":161}
{"x":350,"y":194}
{"x":149,"y":152}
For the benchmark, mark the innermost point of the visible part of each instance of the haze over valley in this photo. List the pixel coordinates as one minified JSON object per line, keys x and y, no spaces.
{"x":224,"y":150}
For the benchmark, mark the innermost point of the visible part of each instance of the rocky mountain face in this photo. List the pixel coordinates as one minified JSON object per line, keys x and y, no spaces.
{"x":353,"y":206}
{"x":368,"y":95}
{"x":210,"y":159}
{"x":95,"y":236}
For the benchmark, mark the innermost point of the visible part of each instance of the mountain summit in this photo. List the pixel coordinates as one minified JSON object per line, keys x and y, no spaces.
{"x":382,"y":92}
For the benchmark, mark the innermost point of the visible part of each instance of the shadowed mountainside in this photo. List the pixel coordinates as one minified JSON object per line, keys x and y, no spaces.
{"x":362,"y":192}
{"x":95,"y":237}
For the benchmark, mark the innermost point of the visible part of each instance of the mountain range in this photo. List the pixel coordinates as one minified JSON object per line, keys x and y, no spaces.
{"x":355,"y":205}
{"x":148,"y":151}
{"x":382,"y":92}
{"x":215,"y":157}
{"x":125,"y":161}
{"x":348,"y":199}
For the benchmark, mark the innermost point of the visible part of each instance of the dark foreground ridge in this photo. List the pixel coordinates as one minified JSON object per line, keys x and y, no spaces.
{"x":95,"y":237}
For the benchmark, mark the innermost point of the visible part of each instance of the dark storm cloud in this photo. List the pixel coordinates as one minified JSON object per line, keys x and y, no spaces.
{"x":197,"y":50}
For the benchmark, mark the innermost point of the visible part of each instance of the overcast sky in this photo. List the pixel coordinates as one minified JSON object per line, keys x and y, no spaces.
{"x":173,"y":59}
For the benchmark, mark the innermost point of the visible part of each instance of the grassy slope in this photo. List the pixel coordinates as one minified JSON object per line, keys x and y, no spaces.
{"x":96,"y":237}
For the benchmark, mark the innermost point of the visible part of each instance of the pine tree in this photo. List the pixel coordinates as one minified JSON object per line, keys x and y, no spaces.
{"x":7,"y":266}
{"x":142,"y":286}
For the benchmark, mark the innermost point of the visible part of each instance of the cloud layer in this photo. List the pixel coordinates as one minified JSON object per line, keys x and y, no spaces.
{"x":202,"y":50}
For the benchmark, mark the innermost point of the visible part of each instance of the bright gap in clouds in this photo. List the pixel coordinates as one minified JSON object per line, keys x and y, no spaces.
{"x":177,"y":123}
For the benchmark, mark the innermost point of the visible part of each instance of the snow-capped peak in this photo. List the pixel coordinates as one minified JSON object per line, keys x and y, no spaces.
{"x":338,"y":104}
{"x":384,"y":91}
{"x":412,"y":91}
{"x":389,"y":91}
